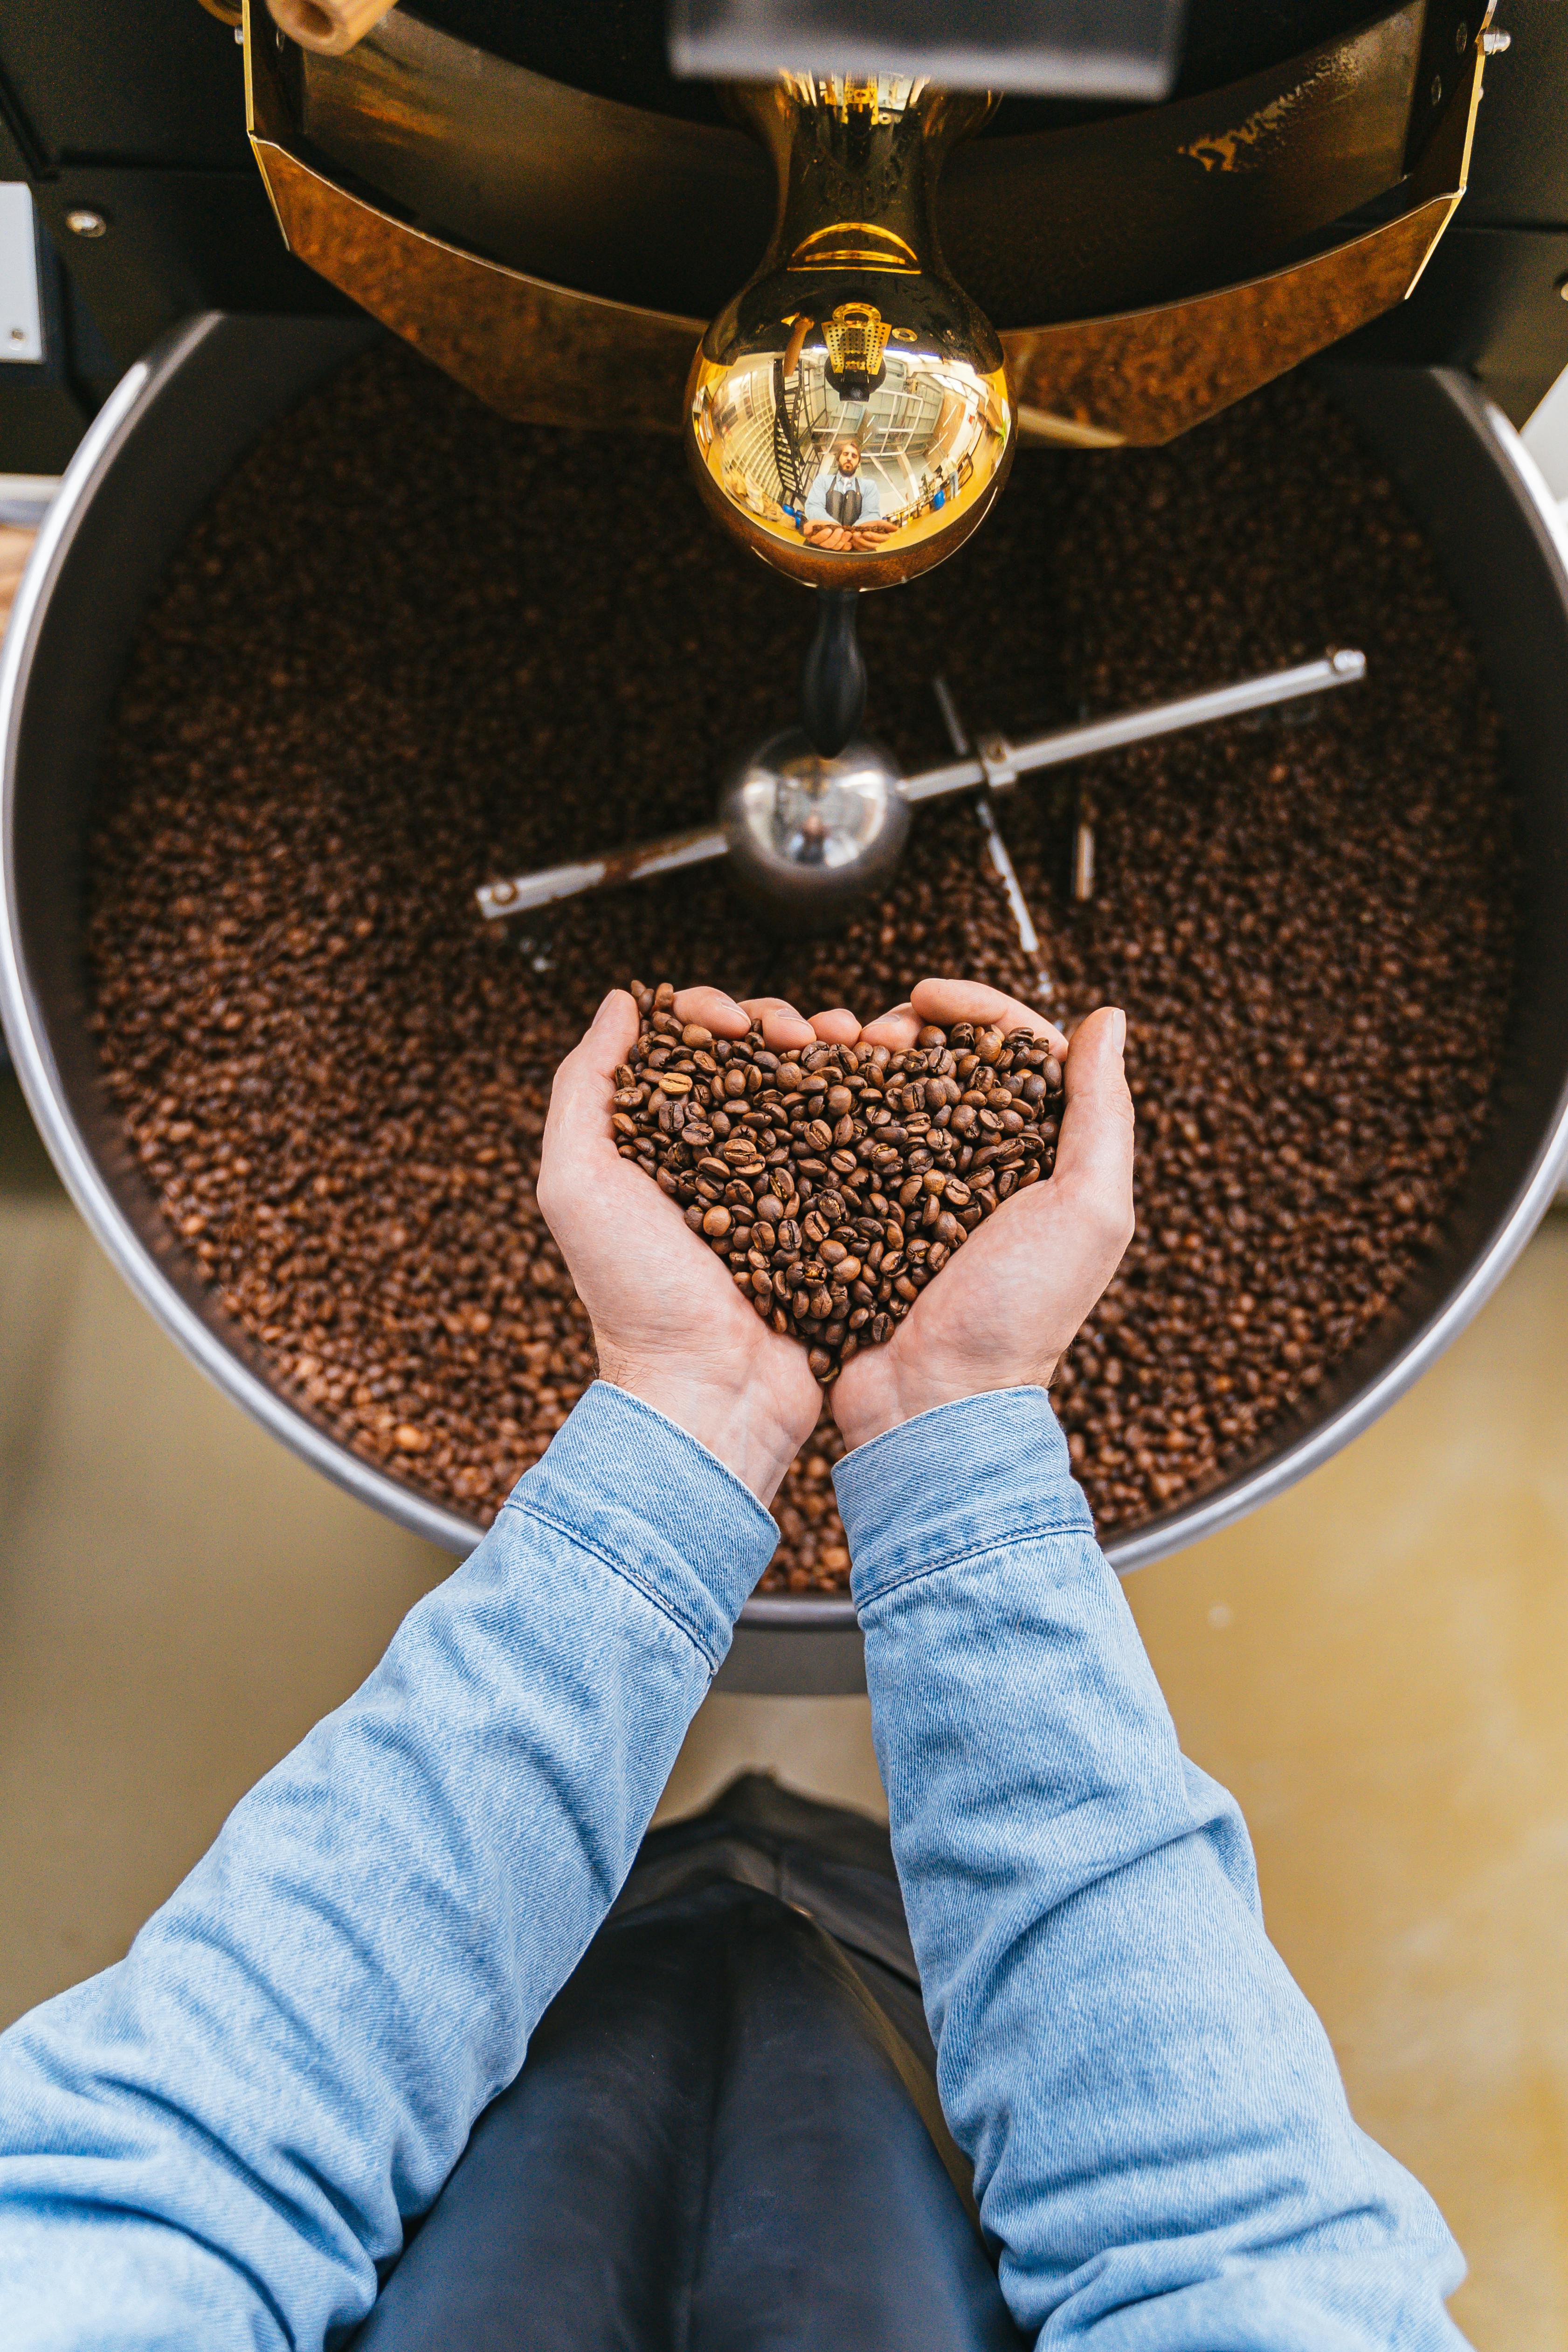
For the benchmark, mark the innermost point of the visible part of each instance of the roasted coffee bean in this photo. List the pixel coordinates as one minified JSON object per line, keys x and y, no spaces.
{"x":410,"y":646}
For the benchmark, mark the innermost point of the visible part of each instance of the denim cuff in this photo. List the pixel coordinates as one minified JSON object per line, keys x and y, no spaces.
{"x":962,"y":1479}
{"x":632,"y":1486}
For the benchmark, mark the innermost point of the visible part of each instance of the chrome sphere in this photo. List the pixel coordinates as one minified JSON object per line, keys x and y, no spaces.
{"x":807,"y":836}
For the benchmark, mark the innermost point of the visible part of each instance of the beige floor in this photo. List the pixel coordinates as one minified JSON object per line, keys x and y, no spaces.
{"x":15,"y":546}
{"x":1375,"y":1663}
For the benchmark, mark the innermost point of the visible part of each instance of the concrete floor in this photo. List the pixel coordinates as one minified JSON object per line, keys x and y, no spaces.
{"x":1374,"y":1664}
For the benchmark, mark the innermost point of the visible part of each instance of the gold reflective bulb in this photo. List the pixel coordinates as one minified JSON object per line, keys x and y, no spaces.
{"x":848,"y":414}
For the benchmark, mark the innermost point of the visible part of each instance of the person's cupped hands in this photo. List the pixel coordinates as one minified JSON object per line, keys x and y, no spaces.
{"x":672,"y":1326}
{"x":1007,"y":1303}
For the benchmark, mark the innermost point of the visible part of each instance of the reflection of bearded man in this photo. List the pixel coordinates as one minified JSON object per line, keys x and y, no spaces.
{"x":845,"y":497}
{"x":842,"y":510}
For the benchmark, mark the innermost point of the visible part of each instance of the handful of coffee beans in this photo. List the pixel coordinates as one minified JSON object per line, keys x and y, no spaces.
{"x":836,"y":1182}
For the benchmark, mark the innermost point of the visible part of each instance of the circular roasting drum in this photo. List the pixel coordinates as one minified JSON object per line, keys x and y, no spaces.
{"x":183,"y":419}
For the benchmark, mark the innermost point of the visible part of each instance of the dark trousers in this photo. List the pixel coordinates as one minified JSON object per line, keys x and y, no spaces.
{"x":726,"y":2134}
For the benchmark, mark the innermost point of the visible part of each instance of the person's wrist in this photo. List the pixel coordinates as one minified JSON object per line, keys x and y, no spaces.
{"x":736,"y":1422}
{"x":902,"y":1391}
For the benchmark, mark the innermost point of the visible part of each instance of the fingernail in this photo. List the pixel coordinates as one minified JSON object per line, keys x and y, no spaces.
{"x":1119,"y":1028}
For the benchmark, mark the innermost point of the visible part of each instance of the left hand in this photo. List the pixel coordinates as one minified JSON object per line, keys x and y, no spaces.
{"x":1006,"y":1305}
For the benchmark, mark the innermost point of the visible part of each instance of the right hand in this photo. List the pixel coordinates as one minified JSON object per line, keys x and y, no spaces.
{"x":669,"y":1324}
{"x":1005,"y":1307}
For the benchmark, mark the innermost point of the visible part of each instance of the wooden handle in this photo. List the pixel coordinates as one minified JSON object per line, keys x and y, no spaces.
{"x":330,"y":28}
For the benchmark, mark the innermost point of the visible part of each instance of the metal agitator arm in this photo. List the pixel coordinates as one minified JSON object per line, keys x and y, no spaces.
{"x":996,"y":764}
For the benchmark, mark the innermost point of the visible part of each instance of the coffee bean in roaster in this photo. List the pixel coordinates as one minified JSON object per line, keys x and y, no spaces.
{"x":410,"y":647}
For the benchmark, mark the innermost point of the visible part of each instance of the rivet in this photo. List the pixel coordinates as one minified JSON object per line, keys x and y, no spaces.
{"x":83,"y":222}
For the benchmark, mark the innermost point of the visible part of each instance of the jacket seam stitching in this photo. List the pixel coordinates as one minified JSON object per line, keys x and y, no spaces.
{"x":666,"y":1608}
{"x":976,"y":1552}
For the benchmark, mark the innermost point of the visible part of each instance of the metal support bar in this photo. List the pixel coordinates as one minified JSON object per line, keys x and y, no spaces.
{"x":1061,"y":745}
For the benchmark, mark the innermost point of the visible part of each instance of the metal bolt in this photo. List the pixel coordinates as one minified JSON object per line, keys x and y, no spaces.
{"x":82,"y":222}
{"x":996,"y":758}
{"x":1494,"y":44}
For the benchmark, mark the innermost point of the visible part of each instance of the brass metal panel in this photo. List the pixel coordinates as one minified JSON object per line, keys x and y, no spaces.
{"x":1145,"y":206}
{"x":576,"y":189}
{"x":1147,"y":375}
{"x":538,"y":352}
{"x":644,"y":208}
{"x":268,"y":114}
{"x":545,"y":354}
{"x":1150,"y":375}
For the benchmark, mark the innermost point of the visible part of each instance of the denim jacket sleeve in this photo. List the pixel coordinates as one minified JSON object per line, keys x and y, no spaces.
{"x":1164,"y":2157}
{"x":217,"y":2142}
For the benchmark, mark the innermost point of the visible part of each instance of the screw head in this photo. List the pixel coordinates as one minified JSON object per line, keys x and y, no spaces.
{"x":81,"y":222}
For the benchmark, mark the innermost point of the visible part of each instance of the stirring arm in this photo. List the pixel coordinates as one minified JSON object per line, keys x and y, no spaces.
{"x":665,"y":856}
{"x":1001,"y":857}
{"x":998,"y":763}
{"x":1063,"y":744}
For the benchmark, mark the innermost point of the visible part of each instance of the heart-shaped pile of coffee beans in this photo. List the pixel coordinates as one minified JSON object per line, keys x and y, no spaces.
{"x":834,"y":1182}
